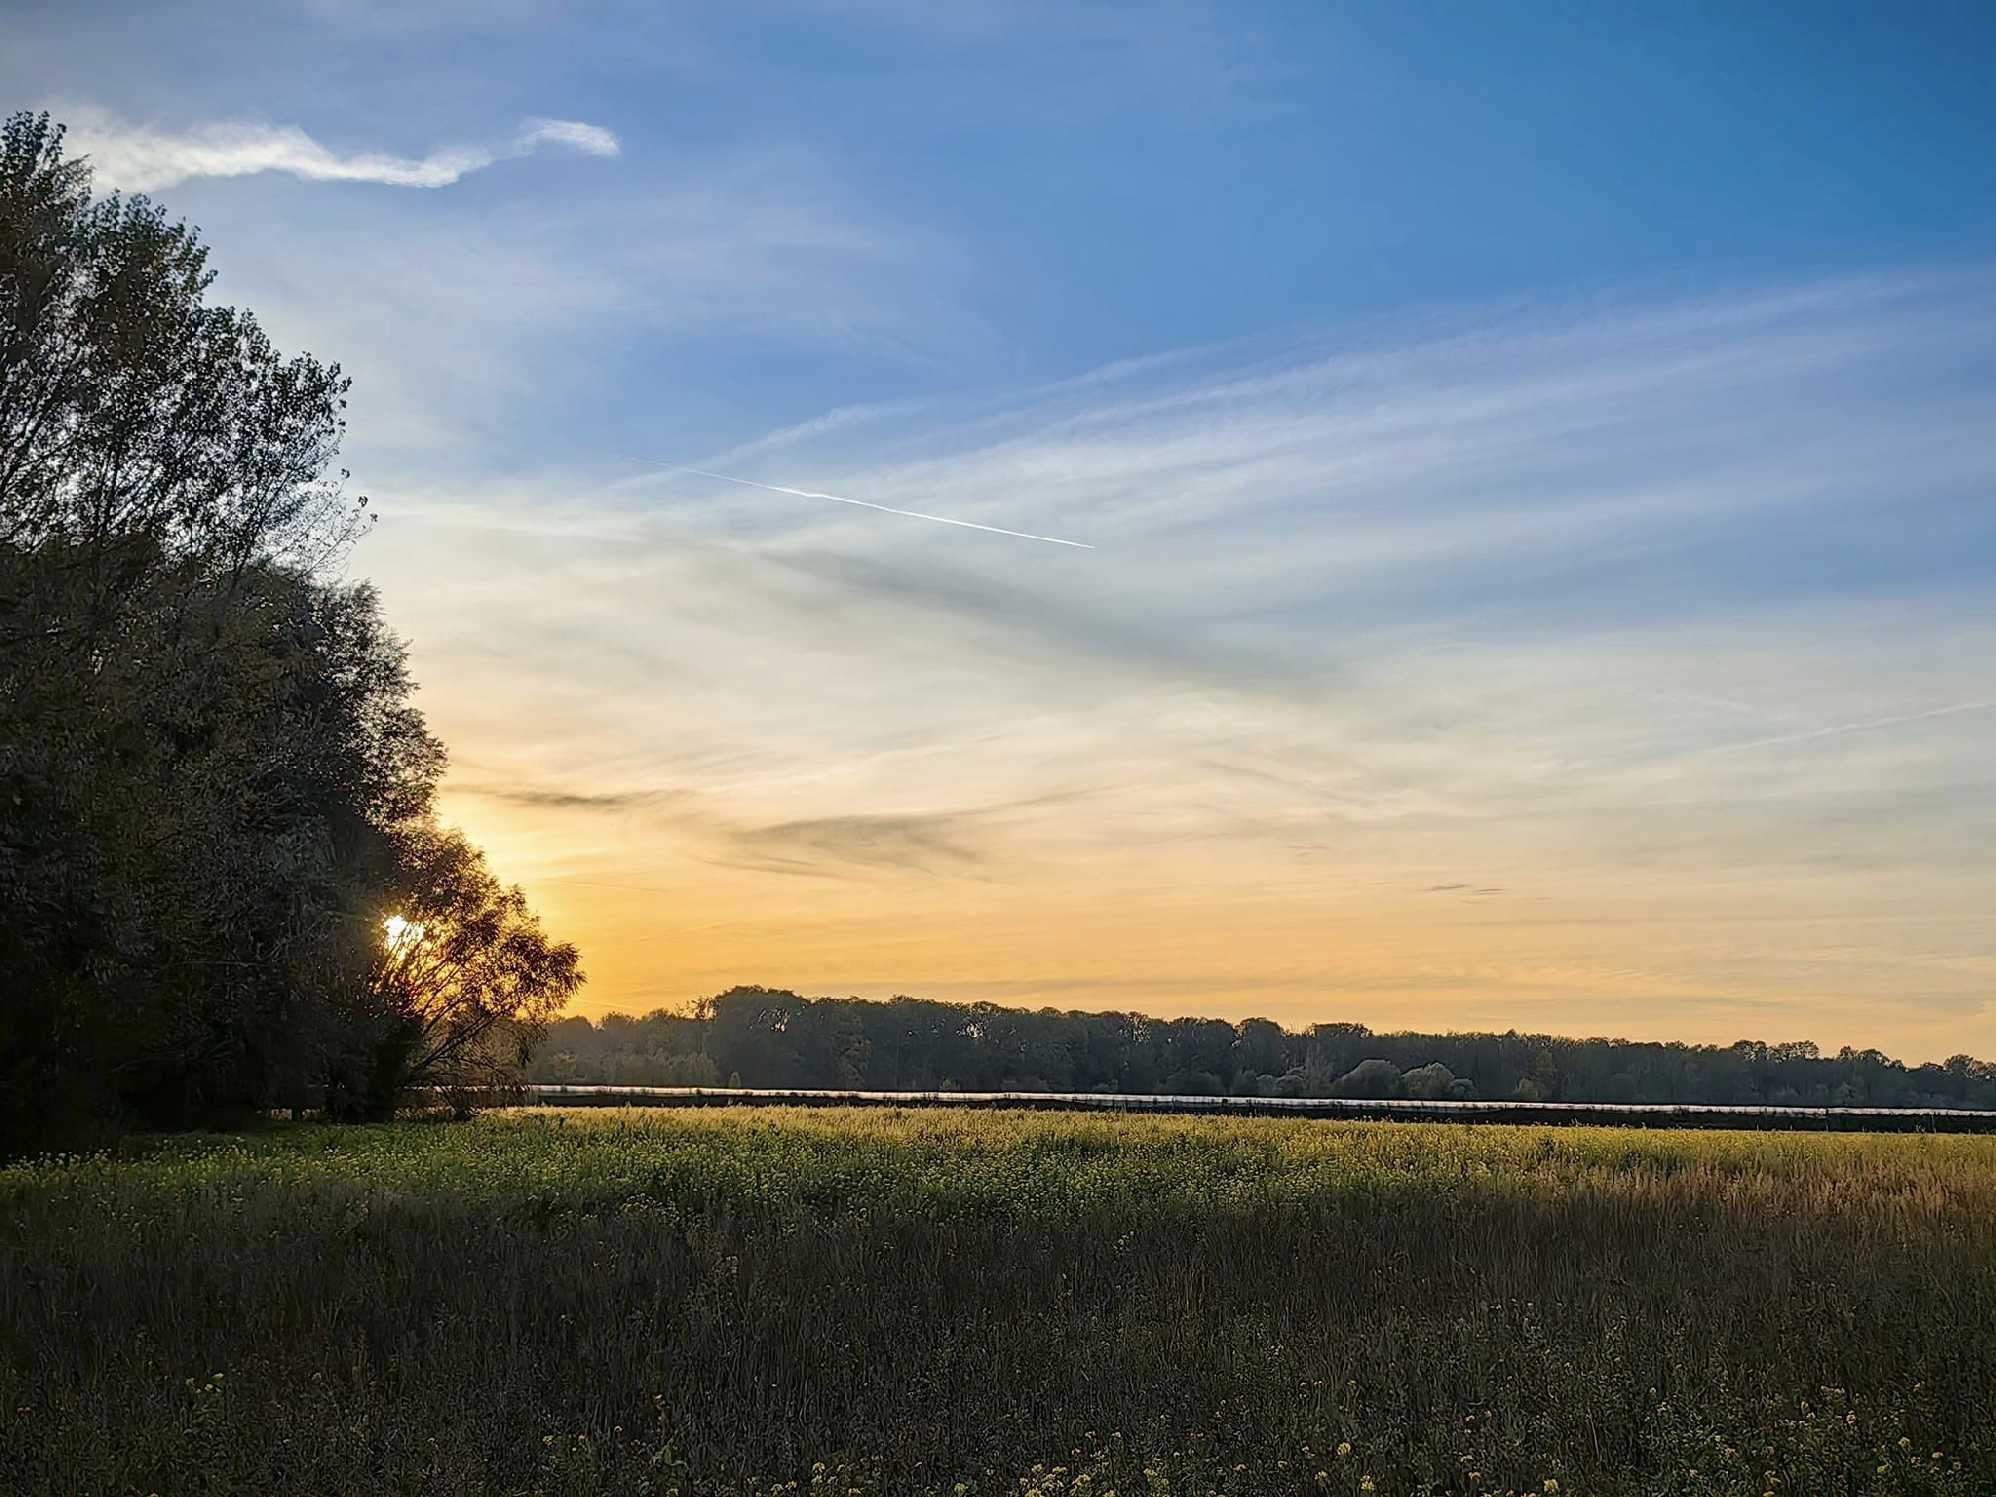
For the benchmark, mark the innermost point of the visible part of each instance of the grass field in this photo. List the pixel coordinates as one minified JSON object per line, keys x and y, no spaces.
{"x":922,"y":1302}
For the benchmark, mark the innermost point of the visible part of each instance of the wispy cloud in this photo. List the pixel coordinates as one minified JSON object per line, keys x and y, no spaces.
{"x":927,"y":842}
{"x":144,"y":158}
{"x":544,"y":798}
{"x":584,"y":291}
{"x":1498,"y":599}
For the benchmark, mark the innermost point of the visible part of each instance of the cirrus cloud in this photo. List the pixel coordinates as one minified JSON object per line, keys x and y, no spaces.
{"x":142,"y":158}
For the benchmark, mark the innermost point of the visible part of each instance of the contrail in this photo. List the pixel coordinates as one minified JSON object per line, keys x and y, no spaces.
{"x":912,"y":514}
{"x":1953,"y":709}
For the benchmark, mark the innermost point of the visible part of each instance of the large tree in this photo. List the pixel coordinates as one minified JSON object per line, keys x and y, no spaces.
{"x":213,"y":785}
{"x":463,"y":982}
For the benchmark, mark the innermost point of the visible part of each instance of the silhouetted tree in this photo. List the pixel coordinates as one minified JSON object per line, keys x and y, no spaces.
{"x":1429,"y":1083}
{"x":210,"y":773}
{"x":1370,"y":1078}
{"x":463,"y":983}
{"x":779,"y":1038}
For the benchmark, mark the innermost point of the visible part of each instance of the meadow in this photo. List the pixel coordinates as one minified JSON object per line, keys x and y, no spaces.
{"x":920,"y":1302}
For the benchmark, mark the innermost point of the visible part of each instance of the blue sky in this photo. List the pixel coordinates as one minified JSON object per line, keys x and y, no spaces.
{"x":1081,"y":184}
{"x":1538,"y":458}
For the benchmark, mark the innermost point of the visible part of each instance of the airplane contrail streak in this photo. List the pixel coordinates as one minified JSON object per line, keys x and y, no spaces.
{"x":912,"y":514}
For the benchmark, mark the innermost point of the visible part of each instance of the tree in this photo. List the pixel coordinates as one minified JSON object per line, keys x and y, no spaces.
{"x":749,"y":1037}
{"x":780,"y":1038}
{"x":162,"y":491}
{"x":1263,"y":1049}
{"x":211,"y":776}
{"x":1369,"y":1078}
{"x":464,"y":983}
{"x":1430,"y":1082}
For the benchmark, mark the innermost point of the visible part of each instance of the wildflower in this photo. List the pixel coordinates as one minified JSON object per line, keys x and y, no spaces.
{"x":1365,"y":1484}
{"x":1552,"y":1483}
{"x":1344,"y":1448}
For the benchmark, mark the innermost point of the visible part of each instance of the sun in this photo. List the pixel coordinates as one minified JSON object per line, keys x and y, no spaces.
{"x":399,"y":933}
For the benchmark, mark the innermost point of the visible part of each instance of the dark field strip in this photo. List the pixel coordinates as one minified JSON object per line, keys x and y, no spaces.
{"x":1538,"y":1114}
{"x":731,"y":1300}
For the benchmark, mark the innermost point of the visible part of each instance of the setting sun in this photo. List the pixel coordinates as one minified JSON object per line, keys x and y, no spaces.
{"x":398,"y":933}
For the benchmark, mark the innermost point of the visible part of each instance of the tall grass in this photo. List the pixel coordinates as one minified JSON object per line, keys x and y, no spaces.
{"x":912,"y":1302}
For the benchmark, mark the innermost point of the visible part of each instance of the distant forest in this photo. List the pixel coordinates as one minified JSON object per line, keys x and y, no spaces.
{"x":762,"y":1037}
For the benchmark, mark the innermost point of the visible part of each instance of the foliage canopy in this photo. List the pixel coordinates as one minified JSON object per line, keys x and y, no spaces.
{"x":212,"y":779}
{"x":765,"y":1037}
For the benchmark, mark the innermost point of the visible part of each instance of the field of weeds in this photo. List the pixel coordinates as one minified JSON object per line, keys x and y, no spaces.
{"x":910,"y":1302}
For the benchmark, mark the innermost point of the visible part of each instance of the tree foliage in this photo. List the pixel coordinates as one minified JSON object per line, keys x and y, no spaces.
{"x":465,"y":982}
{"x":211,"y":775}
{"x":764,"y":1037}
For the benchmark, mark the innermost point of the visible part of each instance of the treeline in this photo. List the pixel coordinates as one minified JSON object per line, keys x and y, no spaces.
{"x":222,"y":887}
{"x":759,"y":1037}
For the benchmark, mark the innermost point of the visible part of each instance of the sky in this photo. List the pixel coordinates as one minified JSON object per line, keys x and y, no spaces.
{"x":1529,"y":468}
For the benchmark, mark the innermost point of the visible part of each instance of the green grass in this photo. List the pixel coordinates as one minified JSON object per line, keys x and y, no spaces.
{"x":905,"y":1301}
